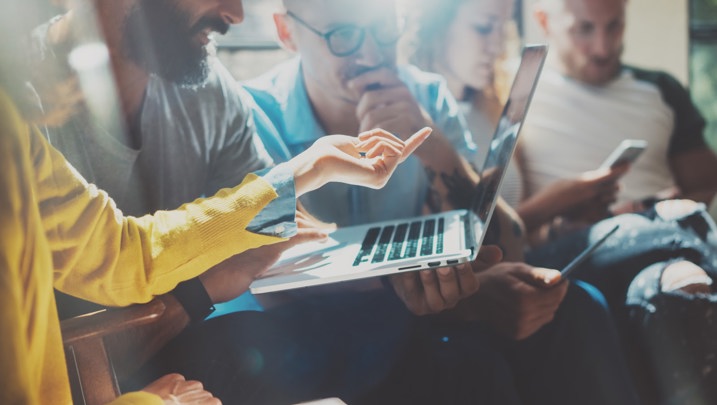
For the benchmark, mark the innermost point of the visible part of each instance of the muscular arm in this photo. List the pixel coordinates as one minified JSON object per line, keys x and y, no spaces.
{"x":510,"y":232}
{"x":693,"y":171}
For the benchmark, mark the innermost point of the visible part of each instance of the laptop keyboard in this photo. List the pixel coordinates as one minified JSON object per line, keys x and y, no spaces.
{"x":402,"y":241}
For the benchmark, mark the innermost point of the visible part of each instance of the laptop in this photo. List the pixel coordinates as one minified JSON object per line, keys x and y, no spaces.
{"x":411,"y":244}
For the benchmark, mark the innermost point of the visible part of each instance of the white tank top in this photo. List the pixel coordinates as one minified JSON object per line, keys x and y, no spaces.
{"x":572,"y":127}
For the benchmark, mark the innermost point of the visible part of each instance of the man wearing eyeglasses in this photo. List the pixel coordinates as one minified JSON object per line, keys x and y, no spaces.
{"x":345,"y":78}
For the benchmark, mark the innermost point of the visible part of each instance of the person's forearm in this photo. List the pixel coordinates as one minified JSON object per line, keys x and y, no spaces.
{"x":543,"y":206}
{"x":507,"y":231}
{"x":452,"y":179}
{"x":308,"y":175}
{"x":453,"y":184}
{"x":536,"y":212}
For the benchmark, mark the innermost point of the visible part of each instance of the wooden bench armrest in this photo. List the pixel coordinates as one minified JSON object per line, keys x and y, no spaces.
{"x":111,"y":321}
{"x":105,"y":347}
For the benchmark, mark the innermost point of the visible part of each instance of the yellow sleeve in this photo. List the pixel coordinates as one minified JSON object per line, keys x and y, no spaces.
{"x":24,"y":271}
{"x":102,"y":256}
{"x":56,"y":229}
{"x":32,"y":362}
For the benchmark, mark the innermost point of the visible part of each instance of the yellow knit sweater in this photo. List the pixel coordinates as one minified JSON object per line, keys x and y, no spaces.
{"x":57,"y":230}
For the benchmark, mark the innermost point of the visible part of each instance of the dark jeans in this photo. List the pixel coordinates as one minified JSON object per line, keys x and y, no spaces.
{"x":676,"y":335}
{"x":653,"y":325}
{"x":642,"y":240}
{"x":575,"y":359}
{"x":367,"y":348}
{"x":290,"y":354}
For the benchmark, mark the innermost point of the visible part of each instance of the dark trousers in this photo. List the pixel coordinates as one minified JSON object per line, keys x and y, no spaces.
{"x":368,"y":349}
{"x":663,"y":346}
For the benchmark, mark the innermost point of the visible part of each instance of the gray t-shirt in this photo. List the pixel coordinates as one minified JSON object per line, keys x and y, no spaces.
{"x":190,"y":143}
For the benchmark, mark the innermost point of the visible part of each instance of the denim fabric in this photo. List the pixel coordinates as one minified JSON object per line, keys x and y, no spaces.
{"x":368,"y":349}
{"x":677,"y":335}
{"x":277,"y":218}
{"x":642,"y":240}
{"x":669,"y":338}
{"x":576,"y":359}
{"x":333,"y":346}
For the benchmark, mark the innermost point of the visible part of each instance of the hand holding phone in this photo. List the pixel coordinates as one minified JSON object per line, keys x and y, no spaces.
{"x":577,"y":261}
{"x":627,"y":152}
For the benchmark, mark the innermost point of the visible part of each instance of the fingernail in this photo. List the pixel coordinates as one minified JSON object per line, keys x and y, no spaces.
{"x":551,"y":276}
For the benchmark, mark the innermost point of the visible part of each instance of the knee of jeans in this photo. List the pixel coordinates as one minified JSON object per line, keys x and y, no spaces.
{"x":629,"y":221}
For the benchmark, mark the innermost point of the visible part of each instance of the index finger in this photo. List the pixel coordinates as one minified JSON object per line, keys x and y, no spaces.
{"x":415,"y":141}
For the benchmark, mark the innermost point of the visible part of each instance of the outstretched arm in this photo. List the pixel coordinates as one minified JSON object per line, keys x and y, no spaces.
{"x":105,"y":257}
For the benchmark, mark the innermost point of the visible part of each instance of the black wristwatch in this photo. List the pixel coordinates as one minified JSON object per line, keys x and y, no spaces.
{"x":195,"y":299}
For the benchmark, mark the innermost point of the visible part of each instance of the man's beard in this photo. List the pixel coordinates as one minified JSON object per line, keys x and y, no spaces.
{"x":609,"y":68}
{"x":157,"y":36}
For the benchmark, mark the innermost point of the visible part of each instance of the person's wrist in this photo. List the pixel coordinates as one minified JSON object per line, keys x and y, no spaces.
{"x":308,"y":173}
{"x":194,"y":298}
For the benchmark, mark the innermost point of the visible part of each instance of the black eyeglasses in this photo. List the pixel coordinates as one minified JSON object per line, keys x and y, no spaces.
{"x":347,"y":39}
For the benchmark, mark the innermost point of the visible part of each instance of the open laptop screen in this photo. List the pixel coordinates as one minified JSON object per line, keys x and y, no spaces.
{"x":506,"y":133}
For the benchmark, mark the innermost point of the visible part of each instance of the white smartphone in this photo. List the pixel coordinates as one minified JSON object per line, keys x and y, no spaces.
{"x":627,"y":152}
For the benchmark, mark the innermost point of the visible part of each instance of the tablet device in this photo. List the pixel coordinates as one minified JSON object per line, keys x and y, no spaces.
{"x":627,"y":152}
{"x":575,"y":263}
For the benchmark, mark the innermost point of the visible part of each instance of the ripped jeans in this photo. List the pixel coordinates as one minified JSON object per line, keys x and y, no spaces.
{"x":670,"y":338}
